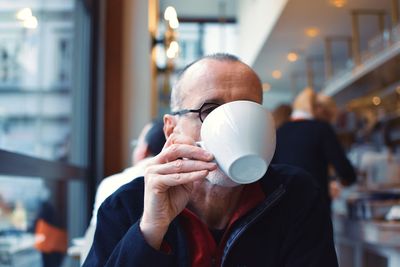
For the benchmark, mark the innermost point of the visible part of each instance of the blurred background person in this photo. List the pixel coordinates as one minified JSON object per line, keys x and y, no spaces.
{"x":312,"y":144}
{"x":51,"y":237}
{"x":325,"y":108}
{"x":281,"y":114}
{"x":150,"y":142}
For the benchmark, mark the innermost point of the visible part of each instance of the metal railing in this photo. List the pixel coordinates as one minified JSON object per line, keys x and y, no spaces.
{"x":376,"y":45}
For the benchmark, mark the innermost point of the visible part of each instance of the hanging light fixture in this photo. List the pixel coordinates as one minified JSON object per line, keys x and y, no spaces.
{"x":24,"y":14}
{"x":27,"y":19}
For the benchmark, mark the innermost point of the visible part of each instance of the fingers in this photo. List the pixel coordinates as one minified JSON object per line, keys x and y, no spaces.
{"x":163,"y":182}
{"x":178,"y":139}
{"x":182,"y":166}
{"x":180,"y":146}
{"x":180,"y":162}
{"x":179,"y":151}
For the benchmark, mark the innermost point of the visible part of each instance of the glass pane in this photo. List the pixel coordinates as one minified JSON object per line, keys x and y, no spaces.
{"x":33,"y":228}
{"x":189,"y":40}
{"x":36,"y":77}
{"x":194,"y":40}
{"x":220,"y":37}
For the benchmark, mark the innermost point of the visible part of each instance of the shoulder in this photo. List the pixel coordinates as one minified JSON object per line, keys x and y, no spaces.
{"x":127,"y":200}
{"x":323,"y":125}
{"x":297,"y":124}
{"x":294,"y":180}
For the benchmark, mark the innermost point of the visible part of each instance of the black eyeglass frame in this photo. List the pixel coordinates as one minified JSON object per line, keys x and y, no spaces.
{"x":199,"y":110}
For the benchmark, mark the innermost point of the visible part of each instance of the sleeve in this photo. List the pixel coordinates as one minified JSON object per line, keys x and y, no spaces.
{"x":309,"y":234}
{"x":335,"y":155}
{"x":116,"y":243}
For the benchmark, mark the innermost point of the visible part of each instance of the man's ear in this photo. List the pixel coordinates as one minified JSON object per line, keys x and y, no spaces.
{"x":169,"y":124}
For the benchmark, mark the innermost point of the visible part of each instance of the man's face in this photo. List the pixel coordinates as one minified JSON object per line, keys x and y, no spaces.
{"x":219,"y":82}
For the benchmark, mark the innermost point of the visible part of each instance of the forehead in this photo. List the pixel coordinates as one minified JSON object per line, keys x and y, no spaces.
{"x":219,"y":81}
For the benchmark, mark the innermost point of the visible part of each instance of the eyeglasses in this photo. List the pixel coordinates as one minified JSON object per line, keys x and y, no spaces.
{"x":203,"y":111}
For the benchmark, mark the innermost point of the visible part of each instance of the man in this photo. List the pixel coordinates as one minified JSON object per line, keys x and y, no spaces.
{"x":150,"y":142}
{"x":186,"y":212}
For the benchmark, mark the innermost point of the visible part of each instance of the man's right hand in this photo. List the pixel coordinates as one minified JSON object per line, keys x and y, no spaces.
{"x":169,"y":182}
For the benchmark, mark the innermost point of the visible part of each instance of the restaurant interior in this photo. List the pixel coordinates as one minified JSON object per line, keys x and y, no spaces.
{"x":79,"y":79}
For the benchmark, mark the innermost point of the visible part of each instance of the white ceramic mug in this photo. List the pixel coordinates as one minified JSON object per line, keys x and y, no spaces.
{"x":241,"y":136}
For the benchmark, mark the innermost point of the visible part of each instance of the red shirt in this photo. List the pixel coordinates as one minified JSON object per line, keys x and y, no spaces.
{"x":203,"y":250}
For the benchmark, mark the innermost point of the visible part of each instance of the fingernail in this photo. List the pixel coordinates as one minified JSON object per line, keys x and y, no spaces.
{"x":209,"y":155}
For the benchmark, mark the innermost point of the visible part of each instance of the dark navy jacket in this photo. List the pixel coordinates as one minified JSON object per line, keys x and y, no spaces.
{"x":291,"y":227}
{"x":312,"y":145}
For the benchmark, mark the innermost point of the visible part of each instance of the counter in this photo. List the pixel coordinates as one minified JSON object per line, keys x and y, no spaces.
{"x":366,"y":243}
{"x":18,"y":251}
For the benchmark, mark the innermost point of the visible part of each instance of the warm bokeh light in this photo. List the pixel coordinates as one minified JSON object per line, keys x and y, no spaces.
{"x":24,"y":14}
{"x":312,"y":32}
{"x":173,"y":49}
{"x":266,"y":87}
{"x":376,"y":100}
{"x":276,"y":74}
{"x":170,"y":13}
{"x":398,"y":90}
{"x":338,"y":3}
{"x":30,"y":23}
{"x":174,"y":23}
{"x":174,"y":46}
{"x":292,"y":57}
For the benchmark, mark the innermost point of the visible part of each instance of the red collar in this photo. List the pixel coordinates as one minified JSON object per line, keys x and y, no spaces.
{"x":202,"y":247}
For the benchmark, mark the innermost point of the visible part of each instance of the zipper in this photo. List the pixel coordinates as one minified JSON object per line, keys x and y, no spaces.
{"x":268,"y":203}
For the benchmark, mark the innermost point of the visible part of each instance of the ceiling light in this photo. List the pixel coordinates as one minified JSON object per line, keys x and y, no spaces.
{"x":292,"y":57}
{"x":376,"y":100}
{"x":173,"y":49}
{"x":266,"y":87}
{"x":174,"y":46}
{"x":170,"y":13}
{"x":24,"y":14}
{"x":276,"y":74}
{"x":30,"y":23}
{"x":338,"y":3}
{"x":312,"y":32}
{"x":174,"y":23}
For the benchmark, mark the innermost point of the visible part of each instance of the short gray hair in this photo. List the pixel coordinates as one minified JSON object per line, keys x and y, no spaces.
{"x":176,"y":92}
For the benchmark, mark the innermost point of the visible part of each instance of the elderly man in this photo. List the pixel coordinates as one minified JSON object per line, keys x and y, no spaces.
{"x":186,"y":212}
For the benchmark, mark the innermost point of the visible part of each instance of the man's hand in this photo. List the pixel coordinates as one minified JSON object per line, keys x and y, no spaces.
{"x":334,"y":189}
{"x":169,"y":182}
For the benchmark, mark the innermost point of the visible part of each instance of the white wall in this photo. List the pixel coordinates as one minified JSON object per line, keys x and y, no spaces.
{"x":256,"y":20}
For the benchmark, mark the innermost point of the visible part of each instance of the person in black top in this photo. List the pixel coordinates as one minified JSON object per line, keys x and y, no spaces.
{"x":312,"y":144}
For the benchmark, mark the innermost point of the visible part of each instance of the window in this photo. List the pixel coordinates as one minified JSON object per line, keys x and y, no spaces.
{"x":195,"y":39}
{"x":44,"y":125}
{"x":36,"y":63}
